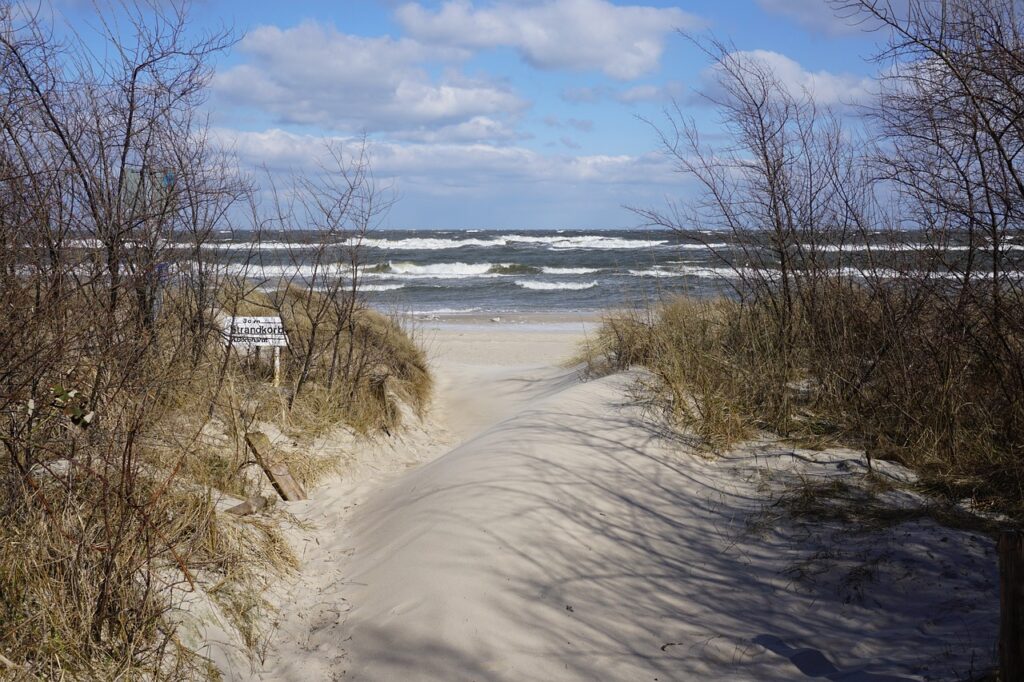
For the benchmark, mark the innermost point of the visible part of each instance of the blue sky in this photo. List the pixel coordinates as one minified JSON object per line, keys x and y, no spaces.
{"x":502,"y":113}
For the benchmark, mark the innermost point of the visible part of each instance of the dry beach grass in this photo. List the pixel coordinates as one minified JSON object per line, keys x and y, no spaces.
{"x":721,"y":375}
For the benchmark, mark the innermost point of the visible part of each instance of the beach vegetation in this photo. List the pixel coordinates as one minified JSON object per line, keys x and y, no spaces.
{"x":124,"y":411}
{"x":878,"y":285}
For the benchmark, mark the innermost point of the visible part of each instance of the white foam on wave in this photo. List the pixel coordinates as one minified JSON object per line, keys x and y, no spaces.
{"x":555,"y":286}
{"x":380,"y":287}
{"x":394,"y":270}
{"x":891,"y":248}
{"x":700,"y":247}
{"x":435,"y":270}
{"x":256,"y":247}
{"x":584,"y":242}
{"x":929,"y":248}
{"x":569,"y":271}
{"x":702,"y":271}
{"x":552,"y":241}
{"x":442,"y":243}
{"x":710,"y":272}
{"x":460,"y":270}
{"x":287,"y":270}
{"x":427,"y":243}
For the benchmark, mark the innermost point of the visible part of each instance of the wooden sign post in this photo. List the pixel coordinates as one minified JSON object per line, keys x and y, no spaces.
{"x":256,"y":332}
{"x":280,"y":477}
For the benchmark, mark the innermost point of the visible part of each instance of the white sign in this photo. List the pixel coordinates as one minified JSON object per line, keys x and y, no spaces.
{"x":255,"y":331}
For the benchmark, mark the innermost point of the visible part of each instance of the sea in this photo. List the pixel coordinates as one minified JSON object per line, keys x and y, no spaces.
{"x":521,"y":271}
{"x":500,"y":271}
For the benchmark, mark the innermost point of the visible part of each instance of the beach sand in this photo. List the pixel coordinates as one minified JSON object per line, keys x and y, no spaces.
{"x":541,"y":527}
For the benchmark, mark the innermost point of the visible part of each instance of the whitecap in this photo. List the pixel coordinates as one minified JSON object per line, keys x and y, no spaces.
{"x":438,"y":270}
{"x":426,"y":243}
{"x":380,"y":287}
{"x":555,"y":286}
{"x":568,"y":271}
{"x":584,"y":242}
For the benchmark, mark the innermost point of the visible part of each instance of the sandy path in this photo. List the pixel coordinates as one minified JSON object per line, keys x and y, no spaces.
{"x":553,"y":535}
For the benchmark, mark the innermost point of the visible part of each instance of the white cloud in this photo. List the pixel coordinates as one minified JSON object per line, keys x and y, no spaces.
{"x":624,"y":42}
{"x":476,"y":129}
{"x":631,"y":95}
{"x":442,"y":166}
{"x":825,"y":87}
{"x":316,"y":75}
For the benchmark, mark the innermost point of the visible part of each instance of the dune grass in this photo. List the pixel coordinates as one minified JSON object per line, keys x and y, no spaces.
{"x":117,"y":524}
{"x":377,"y":366}
{"x":851,"y":376}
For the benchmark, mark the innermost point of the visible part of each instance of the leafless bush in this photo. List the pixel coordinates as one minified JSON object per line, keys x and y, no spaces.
{"x":101,"y":165}
{"x":337,"y":208}
{"x":896,"y":327}
{"x":119,"y":402}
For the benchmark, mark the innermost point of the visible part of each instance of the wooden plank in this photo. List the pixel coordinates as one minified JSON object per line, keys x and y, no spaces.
{"x":1011,"y":606}
{"x":250,"y":506}
{"x":281,"y":478}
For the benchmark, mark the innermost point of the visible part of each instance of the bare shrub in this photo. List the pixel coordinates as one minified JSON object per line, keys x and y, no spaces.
{"x":122,"y":410}
{"x":898,"y":329}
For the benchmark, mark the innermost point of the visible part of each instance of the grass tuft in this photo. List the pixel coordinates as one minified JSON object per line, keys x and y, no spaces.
{"x":842,"y":373}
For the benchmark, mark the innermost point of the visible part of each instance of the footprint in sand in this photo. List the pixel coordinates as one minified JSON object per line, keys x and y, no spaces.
{"x":813,"y":663}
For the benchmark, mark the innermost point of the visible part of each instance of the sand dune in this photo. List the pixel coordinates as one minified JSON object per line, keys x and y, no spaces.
{"x":554,"y":534}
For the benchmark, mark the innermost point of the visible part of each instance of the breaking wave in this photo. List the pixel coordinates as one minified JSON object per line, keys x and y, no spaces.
{"x":555,"y":286}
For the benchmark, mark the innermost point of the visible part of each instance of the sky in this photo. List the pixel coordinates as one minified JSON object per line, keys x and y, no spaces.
{"x":503,"y":113}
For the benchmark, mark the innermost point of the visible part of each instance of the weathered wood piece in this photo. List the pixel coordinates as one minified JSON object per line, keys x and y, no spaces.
{"x":281,"y":478}
{"x":250,"y":506}
{"x":1011,"y":606}
{"x":9,"y":664}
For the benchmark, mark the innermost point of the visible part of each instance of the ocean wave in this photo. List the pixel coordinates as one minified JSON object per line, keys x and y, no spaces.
{"x":456,"y":270}
{"x":712,"y":272}
{"x":400,"y":270}
{"x":426,"y":243}
{"x":287,"y":270}
{"x":706,"y":272}
{"x":891,"y":248}
{"x":431,"y":270}
{"x":583,"y":242}
{"x":569,"y":271}
{"x":698,"y":247}
{"x":439,"y":243}
{"x":256,"y":247}
{"x":439,"y":269}
{"x":513,"y":269}
{"x":895,"y":248}
{"x":552,"y":241}
{"x":555,"y":286}
{"x":380,"y":287}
